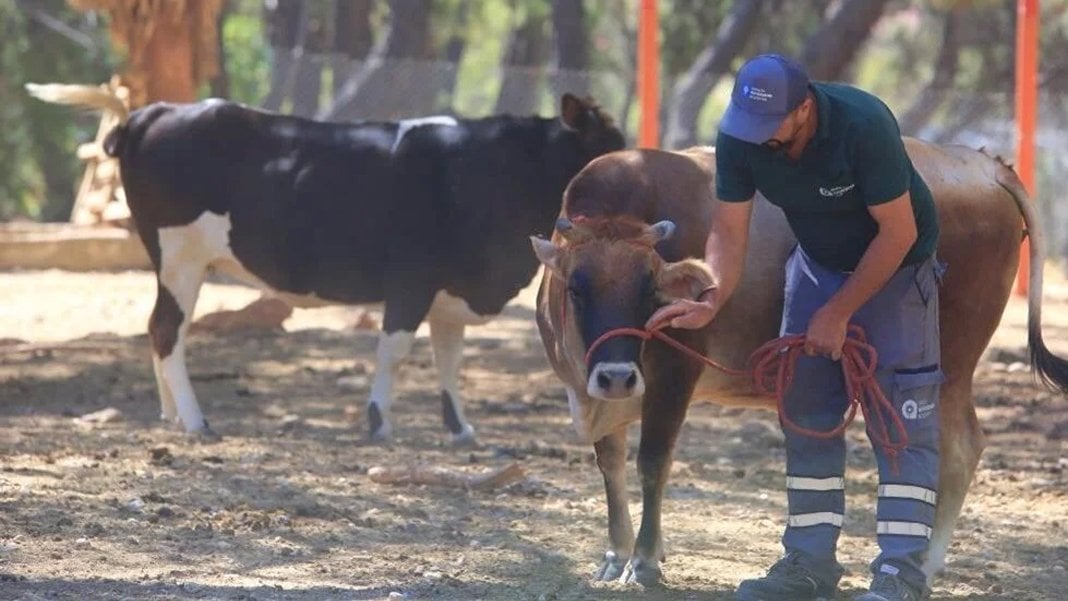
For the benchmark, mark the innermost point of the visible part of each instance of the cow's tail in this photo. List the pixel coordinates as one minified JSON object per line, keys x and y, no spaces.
{"x":1052,"y":369}
{"x":94,"y":97}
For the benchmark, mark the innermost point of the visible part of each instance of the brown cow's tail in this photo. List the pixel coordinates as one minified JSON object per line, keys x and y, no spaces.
{"x":1052,"y":369}
{"x":94,"y":97}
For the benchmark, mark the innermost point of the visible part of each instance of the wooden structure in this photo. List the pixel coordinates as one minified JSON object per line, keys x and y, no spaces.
{"x":171,"y":48}
{"x":100,"y":198}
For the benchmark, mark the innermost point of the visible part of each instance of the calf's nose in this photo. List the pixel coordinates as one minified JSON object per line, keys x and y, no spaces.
{"x":613,"y":381}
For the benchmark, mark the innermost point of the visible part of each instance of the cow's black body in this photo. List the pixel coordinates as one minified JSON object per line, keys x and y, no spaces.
{"x":353,"y":213}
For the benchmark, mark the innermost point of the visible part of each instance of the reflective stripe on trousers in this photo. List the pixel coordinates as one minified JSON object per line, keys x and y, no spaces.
{"x":901,"y":322}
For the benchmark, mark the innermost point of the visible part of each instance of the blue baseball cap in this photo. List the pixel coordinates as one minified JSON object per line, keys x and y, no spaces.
{"x":767,"y":89}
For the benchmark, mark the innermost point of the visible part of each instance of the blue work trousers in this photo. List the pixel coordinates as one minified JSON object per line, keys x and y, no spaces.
{"x":901,"y":322}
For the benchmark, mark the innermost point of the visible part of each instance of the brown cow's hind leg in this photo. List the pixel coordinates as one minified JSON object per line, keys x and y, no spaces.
{"x":962,"y":443}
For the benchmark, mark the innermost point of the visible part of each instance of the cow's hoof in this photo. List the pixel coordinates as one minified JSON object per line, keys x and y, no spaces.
{"x":382,"y":435}
{"x":205,"y":433}
{"x":640,"y":571}
{"x":611,"y":567}
{"x":465,"y":438}
{"x":381,"y":431}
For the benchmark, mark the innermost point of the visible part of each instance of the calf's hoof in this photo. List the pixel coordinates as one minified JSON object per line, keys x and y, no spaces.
{"x":465,"y":437}
{"x":643,"y":572}
{"x":611,"y":567}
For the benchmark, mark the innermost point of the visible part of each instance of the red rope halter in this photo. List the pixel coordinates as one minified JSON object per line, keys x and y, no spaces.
{"x":771,"y":368}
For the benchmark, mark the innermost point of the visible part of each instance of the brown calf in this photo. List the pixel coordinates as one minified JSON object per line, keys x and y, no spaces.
{"x":606,"y":269}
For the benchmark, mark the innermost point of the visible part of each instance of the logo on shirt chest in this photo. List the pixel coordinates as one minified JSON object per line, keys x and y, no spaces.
{"x":836,"y":191}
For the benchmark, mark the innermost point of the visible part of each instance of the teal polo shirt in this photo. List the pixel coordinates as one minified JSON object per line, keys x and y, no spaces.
{"x":855,"y":160}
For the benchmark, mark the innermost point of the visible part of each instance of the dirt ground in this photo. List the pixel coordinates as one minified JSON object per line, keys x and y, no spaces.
{"x":282,"y":507}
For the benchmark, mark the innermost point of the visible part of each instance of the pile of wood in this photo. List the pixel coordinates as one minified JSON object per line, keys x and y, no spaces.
{"x":100,"y":198}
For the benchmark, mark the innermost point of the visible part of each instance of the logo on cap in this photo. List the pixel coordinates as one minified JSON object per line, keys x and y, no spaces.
{"x":755,"y":93}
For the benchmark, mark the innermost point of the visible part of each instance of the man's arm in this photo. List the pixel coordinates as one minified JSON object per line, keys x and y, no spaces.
{"x":897,"y":233}
{"x":725,"y":255}
{"x":725,"y":249}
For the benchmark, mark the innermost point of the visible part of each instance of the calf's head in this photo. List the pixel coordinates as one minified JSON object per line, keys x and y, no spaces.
{"x":610,"y":276}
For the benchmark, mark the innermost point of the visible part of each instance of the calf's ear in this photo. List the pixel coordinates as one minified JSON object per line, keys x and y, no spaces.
{"x":548,"y":253}
{"x":684,"y":279}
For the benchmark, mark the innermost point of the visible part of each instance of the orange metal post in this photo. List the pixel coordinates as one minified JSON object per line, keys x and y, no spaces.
{"x":649,"y":75}
{"x":1027,"y":23}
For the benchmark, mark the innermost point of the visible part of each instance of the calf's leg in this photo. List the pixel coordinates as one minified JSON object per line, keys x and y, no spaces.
{"x":178,"y":286}
{"x":611,"y":454}
{"x":663,"y":411}
{"x":393,"y":347}
{"x":406,"y":305}
{"x":447,"y":340}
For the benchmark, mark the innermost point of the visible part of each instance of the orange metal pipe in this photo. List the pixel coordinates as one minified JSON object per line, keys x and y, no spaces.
{"x":649,"y":75}
{"x":1027,"y":29}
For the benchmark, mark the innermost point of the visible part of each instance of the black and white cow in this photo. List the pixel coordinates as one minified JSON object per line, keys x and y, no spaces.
{"x":431,"y":217}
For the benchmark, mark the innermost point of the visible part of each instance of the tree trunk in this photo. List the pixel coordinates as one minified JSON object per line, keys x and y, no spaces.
{"x":980,"y":101}
{"x":691,"y":92}
{"x":829,"y":51}
{"x":283,"y":28}
{"x":393,"y":84}
{"x":572,"y":48}
{"x":454,"y":51}
{"x":220,"y":84}
{"x":306,"y":83}
{"x":353,"y":38}
{"x":945,"y":72}
{"x":523,"y":66}
{"x":168,"y":66}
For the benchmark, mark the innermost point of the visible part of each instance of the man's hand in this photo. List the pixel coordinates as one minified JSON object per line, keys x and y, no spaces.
{"x":826,"y":333}
{"x":685,"y":314}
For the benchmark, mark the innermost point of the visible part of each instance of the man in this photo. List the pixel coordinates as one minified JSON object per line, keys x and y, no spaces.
{"x":831,"y":157}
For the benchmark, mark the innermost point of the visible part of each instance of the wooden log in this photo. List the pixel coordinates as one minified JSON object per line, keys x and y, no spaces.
{"x":442,"y":476}
{"x":70,"y":247}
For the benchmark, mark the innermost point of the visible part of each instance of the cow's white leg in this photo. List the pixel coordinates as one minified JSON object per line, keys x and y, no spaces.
{"x":961,"y":444}
{"x":185,"y":253}
{"x":179,"y":285}
{"x":611,"y":454}
{"x":447,"y":339}
{"x":168,"y":410}
{"x":393,"y":347}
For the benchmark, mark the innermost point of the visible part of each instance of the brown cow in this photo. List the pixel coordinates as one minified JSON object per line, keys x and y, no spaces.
{"x":606,"y":268}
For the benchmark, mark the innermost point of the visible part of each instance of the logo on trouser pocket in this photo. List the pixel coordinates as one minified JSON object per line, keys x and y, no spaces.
{"x":913,"y":409}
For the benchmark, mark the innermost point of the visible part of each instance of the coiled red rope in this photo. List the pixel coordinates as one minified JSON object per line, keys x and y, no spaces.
{"x":771,"y":368}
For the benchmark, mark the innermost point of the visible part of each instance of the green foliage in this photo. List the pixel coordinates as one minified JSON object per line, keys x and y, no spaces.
{"x":18,"y":180}
{"x":247,"y":52}
{"x":478,"y":79}
{"x":38,"y":168}
{"x":686,"y":27}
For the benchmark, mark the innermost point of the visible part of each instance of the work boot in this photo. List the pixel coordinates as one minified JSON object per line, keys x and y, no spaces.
{"x":787,"y":580}
{"x":890,"y":587}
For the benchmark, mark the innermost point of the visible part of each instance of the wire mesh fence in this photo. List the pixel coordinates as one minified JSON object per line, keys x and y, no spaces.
{"x":333,"y":86}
